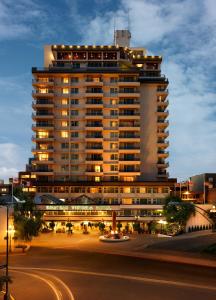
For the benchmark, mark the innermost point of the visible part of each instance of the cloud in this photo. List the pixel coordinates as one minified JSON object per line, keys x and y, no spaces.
{"x":19,"y":19}
{"x":184,"y":32}
{"x":12,"y":160}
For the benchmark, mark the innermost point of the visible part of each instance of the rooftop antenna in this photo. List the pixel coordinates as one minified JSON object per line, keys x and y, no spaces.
{"x":128,"y":19}
{"x":114,"y":28}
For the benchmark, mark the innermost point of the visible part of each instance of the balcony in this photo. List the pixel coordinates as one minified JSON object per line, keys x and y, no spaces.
{"x":128,"y":82}
{"x":94,"y":115}
{"x":42,"y":103}
{"x":37,"y":149}
{"x":94,"y":125}
{"x":46,"y":126}
{"x":46,"y":93}
{"x":42,"y":115}
{"x":49,"y":138}
{"x":128,"y":93}
{"x":128,"y":136}
{"x":163,"y":174}
{"x":129,"y":115}
{"x":42,"y":82}
{"x":94,"y":93}
{"x":162,"y":103}
{"x":129,"y":103}
{"x":92,"y":137}
{"x":162,"y":143}
{"x":94,"y":82}
{"x":42,"y":171}
{"x":163,"y":133}
{"x":132,"y":148}
{"x":37,"y":161}
{"x":162,"y":90}
{"x":94,"y":103}
{"x":162,"y":123}
{"x":162,"y":112}
{"x":162,"y":164}
{"x":163,"y":153}
{"x":129,"y":126}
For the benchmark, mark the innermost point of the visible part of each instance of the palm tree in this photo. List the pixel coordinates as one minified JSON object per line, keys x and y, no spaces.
{"x":177,"y":211}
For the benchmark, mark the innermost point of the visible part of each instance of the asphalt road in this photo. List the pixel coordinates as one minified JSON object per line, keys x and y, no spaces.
{"x":73,"y":274}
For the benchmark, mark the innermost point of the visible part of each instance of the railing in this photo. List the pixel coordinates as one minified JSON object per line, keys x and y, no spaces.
{"x":42,"y":102}
{"x":40,"y":80}
{"x":94,"y":102}
{"x":162,"y":90}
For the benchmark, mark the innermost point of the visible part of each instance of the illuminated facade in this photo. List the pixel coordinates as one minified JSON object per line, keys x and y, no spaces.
{"x":100,"y":124}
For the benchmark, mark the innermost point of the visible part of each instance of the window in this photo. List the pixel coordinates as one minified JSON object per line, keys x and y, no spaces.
{"x":94,"y":55}
{"x":97,"y":179}
{"x":74,"y":134}
{"x":64,"y":156}
{"x":97,"y":168}
{"x":113,"y":113}
{"x":165,"y":190}
{"x":113,"y":79}
{"x":64,"y":134}
{"x":65,"y":80}
{"x":113,"y":146}
{"x":74,"y":168}
{"x":74,"y":156}
{"x":114,"y":157}
{"x":74,"y":79}
{"x":74,"y":123}
{"x":43,"y":90}
{"x":74,"y":146}
{"x":64,"y":145}
{"x":43,"y":156}
{"x":113,"y":101}
{"x":42,"y":134}
{"x":113,"y":124}
{"x":114,"y":134}
{"x":65,"y":90}
{"x":114,"y":168}
{"x":64,"y":102}
{"x":110,"y":55}
{"x":64,"y":123}
{"x":65,"y":167}
{"x":74,"y":101}
{"x":74,"y":91}
{"x":113,"y":91}
{"x":74,"y":112}
{"x":64,"y":112}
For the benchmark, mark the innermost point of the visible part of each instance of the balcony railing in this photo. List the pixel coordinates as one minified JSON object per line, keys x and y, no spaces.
{"x":164,"y":90}
{"x":42,"y":101}
{"x":94,"y":102}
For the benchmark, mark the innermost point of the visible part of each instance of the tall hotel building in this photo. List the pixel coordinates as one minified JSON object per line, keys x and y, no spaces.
{"x":100,"y":132}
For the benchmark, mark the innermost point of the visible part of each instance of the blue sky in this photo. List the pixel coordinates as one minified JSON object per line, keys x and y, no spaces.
{"x":183,"y":32}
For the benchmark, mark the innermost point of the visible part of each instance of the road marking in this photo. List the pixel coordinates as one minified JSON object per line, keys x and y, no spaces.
{"x":126,"y":277}
{"x":48,"y":282}
{"x":51,"y":284}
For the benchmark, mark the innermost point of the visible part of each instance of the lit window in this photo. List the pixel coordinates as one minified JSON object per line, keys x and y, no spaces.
{"x":33,"y":176}
{"x":97,"y":168}
{"x":43,"y":156}
{"x":128,"y":178}
{"x":64,"y":113}
{"x":113,"y":146}
{"x":127,"y":190}
{"x":64,"y":101}
{"x":43,"y":91}
{"x":113,"y":101}
{"x":113,"y":124}
{"x":64,"y":123}
{"x":97,"y":179}
{"x":25,"y":176}
{"x":64,"y":134}
{"x":127,"y":201}
{"x":65,"y":80}
{"x":43,"y":134}
{"x":33,"y":189}
{"x":65,"y":91}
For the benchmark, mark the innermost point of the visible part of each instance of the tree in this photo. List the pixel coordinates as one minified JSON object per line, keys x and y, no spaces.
{"x":101,"y":226}
{"x":119,"y":226}
{"x":69,"y":225}
{"x":177,"y":211}
{"x":27,"y":221}
{"x":52,"y":225}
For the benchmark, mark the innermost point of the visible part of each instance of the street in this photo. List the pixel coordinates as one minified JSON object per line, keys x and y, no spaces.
{"x":74,"y":273}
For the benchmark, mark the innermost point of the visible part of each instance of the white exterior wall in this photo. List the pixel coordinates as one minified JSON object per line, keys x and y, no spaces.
{"x":199,"y":219}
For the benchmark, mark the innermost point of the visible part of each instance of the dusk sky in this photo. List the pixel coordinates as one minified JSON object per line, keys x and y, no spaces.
{"x":183,"y":32}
